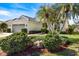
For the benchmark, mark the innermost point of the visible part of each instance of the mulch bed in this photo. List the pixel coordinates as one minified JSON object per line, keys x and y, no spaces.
{"x":30,"y":51}
{"x":2,"y":53}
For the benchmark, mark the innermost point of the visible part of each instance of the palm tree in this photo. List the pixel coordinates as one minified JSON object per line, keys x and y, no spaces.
{"x":61,"y":13}
{"x":3,"y":27}
{"x":47,"y":15}
{"x":66,"y":11}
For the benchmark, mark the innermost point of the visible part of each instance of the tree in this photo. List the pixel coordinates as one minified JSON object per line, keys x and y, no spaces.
{"x":58,"y":14}
{"x":66,"y":11}
{"x":48,"y":15}
{"x":3,"y":27}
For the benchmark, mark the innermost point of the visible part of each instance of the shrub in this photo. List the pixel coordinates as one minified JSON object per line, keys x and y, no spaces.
{"x":53,"y":41}
{"x":24,"y":30}
{"x":63,"y":32}
{"x":43,"y":30}
{"x":15,"y":42}
{"x":3,"y":27}
{"x":9,"y":30}
{"x":71,"y":29}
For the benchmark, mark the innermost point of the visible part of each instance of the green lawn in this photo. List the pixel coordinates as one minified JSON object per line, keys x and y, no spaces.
{"x":73,"y":37}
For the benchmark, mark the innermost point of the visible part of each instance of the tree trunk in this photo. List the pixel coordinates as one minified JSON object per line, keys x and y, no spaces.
{"x":65,"y":26}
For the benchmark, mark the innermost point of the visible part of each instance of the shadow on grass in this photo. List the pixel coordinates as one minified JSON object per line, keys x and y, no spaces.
{"x":74,"y":40}
{"x":71,"y":39}
{"x":66,"y":52}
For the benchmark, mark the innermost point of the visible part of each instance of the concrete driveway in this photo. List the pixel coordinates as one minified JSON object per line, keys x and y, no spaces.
{"x":4,"y":34}
{"x":7,"y":34}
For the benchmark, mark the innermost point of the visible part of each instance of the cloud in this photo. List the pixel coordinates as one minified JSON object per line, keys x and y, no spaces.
{"x":1,"y":19}
{"x":19,"y":7}
{"x":34,"y":9}
{"x":4,"y":12}
{"x":16,"y":10}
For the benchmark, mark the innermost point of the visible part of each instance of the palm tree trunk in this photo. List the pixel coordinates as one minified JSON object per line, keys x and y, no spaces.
{"x":50,"y":27}
{"x":65,"y":25}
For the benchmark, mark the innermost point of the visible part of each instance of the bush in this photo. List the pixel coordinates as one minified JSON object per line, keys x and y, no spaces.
{"x":43,"y":30}
{"x":24,"y":30}
{"x":71,"y":29}
{"x":63,"y":32}
{"x":3,"y":27}
{"x":15,"y":42}
{"x":9,"y":30}
{"x":53,"y":41}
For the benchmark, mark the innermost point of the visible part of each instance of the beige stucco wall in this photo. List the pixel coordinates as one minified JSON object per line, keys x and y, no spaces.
{"x":34,"y":26}
{"x":30,"y":25}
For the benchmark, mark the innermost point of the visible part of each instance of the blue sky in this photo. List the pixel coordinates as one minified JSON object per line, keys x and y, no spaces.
{"x":12,"y":10}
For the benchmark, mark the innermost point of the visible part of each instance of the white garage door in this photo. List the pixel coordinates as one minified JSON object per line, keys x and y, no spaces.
{"x":18,"y":27}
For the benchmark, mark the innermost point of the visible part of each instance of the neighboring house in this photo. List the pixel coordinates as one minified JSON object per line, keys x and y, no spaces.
{"x":0,"y":21}
{"x":24,"y":22}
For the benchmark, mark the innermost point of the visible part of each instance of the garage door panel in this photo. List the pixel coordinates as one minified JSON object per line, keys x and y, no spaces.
{"x":18,"y":27}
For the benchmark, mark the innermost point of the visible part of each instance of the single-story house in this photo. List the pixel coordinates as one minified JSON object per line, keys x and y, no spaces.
{"x":24,"y":22}
{"x":0,"y":21}
{"x":31,"y":24}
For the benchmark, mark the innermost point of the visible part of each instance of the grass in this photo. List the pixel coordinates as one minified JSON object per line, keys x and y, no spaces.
{"x":72,"y":37}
